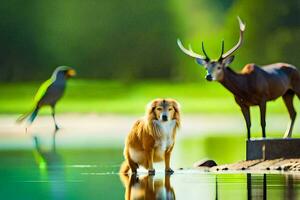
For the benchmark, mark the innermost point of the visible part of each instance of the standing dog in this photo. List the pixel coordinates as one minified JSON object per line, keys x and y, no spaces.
{"x":152,"y":138}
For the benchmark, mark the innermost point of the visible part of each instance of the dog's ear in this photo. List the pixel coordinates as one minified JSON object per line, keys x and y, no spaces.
{"x":176,"y":105}
{"x":150,"y":107}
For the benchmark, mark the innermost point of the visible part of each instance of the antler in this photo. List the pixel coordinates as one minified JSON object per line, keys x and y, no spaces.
{"x":239,"y":43}
{"x":206,"y":56}
{"x":189,"y":51}
{"x":220,"y":58}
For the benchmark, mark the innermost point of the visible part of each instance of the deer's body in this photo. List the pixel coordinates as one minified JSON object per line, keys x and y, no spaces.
{"x":254,"y":85}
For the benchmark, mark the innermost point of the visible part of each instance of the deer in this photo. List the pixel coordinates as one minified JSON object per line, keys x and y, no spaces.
{"x":254,"y":85}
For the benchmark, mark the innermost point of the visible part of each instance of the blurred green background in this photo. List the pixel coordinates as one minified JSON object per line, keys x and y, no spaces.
{"x":126,"y":54}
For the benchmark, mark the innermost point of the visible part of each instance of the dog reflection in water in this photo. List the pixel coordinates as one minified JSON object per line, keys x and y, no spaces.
{"x":147,"y":187}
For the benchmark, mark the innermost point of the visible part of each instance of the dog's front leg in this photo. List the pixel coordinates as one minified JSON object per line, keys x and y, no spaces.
{"x":151,"y":170}
{"x":167,"y":160}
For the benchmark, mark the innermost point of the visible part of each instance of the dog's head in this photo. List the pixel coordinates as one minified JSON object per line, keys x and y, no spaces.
{"x":163,"y":110}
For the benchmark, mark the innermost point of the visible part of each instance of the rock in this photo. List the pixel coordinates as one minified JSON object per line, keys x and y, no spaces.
{"x":205,"y":163}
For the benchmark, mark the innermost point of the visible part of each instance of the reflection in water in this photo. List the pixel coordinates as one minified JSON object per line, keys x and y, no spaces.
{"x":259,"y":190}
{"x":50,"y":164}
{"x":147,"y":187}
{"x":217,"y":191}
{"x":255,"y":188}
{"x":290,"y":191}
{"x":258,"y":187}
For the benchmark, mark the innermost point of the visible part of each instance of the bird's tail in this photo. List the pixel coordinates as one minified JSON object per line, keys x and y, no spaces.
{"x":124,"y":169}
{"x":30,"y":115}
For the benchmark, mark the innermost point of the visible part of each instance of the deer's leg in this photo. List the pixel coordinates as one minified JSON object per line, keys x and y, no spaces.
{"x":288,"y":101}
{"x":246,"y":114}
{"x":262,"y":108}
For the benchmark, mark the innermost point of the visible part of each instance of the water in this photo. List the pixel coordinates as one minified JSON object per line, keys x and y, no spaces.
{"x":47,"y":172}
{"x":92,"y":174}
{"x":81,"y":163}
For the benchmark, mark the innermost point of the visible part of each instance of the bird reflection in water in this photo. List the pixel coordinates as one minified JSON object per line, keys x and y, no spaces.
{"x":50,"y":164}
{"x":147,"y":187}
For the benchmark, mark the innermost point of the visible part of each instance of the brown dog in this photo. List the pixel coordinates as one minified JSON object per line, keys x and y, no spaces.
{"x":152,"y":138}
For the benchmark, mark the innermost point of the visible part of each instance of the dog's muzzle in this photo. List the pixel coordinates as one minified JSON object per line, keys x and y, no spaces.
{"x":164,"y":118}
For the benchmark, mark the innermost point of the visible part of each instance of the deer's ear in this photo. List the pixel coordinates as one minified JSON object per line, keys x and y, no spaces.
{"x":228,"y":60}
{"x":200,"y":61}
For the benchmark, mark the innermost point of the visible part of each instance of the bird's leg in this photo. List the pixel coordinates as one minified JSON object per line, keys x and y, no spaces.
{"x":53,"y":116}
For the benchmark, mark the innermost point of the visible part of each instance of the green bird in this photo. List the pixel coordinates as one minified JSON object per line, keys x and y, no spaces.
{"x":49,"y":93}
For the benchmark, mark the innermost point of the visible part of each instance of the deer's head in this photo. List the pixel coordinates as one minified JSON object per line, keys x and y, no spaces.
{"x":215,"y":68}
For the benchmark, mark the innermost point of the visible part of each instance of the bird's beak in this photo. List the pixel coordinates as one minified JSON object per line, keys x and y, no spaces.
{"x":71,"y":73}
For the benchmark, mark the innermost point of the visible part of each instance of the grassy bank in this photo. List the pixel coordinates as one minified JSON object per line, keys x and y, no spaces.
{"x":115,"y":97}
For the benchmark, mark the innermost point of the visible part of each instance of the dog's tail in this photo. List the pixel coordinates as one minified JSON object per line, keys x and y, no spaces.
{"x":124,"y":169}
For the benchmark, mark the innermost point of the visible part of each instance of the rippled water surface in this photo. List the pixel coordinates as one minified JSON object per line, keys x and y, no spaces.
{"x":49,"y":173}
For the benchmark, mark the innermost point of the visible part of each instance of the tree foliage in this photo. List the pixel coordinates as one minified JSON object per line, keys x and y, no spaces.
{"x":137,"y":39}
